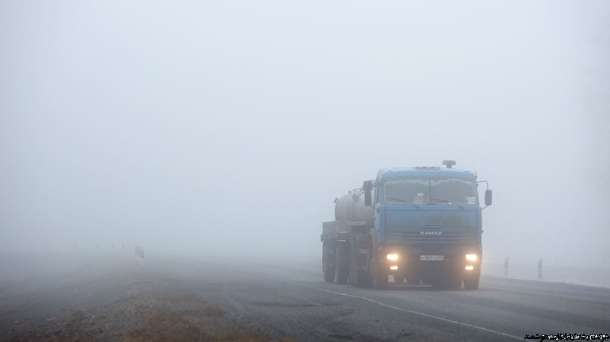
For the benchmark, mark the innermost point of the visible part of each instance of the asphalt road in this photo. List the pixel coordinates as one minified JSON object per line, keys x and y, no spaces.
{"x":293,"y":301}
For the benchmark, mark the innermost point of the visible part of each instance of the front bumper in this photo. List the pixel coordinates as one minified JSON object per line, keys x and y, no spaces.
{"x":429,"y":265}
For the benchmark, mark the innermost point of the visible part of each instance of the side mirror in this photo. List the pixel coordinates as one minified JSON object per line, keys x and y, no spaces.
{"x":488,"y":197}
{"x":367,"y":187}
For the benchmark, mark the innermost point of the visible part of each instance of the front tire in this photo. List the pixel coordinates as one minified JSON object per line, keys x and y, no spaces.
{"x":379,"y":277}
{"x":357,"y":275}
{"x":471,"y":283}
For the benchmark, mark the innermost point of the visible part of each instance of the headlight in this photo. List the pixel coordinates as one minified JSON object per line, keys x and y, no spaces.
{"x":469,"y":267}
{"x":472,"y":257}
{"x":392,"y":257}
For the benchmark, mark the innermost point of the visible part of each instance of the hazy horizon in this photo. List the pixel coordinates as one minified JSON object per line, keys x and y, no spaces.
{"x":204,"y":128}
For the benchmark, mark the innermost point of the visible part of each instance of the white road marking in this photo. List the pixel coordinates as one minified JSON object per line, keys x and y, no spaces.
{"x":422,"y":314}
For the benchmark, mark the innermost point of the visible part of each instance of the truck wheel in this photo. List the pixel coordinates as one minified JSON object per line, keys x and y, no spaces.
{"x":342,"y":263}
{"x":357,"y":276}
{"x":379,"y":277}
{"x":365,"y":280}
{"x":362,"y":279}
{"x":450,"y":282}
{"x":471,"y":283}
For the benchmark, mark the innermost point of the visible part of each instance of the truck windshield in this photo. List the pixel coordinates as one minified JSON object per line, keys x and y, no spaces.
{"x":429,"y":191}
{"x":414,"y":191}
{"x":452,"y":190}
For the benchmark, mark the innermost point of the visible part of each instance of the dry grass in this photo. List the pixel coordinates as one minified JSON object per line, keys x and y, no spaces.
{"x":146,"y":318}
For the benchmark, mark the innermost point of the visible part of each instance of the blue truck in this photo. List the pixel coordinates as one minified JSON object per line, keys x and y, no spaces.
{"x":417,"y":226}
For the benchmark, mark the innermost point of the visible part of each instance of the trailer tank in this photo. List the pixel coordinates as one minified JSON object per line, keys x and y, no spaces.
{"x":350,"y":209}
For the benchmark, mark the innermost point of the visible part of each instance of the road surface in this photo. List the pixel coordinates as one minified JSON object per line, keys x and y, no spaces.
{"x":291,"y":302}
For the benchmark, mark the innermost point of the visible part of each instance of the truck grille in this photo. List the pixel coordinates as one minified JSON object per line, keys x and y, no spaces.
{"x":433,"y":237}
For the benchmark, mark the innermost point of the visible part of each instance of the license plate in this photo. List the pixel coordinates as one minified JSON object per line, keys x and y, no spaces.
{"x":431,"y":257}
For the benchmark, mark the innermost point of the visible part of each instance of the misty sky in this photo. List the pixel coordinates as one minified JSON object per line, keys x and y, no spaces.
{"x":211,"y":126}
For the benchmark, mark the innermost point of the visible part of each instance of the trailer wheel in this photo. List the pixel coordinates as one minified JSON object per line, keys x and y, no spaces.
{"x":342,"y":263}
{"x":328,"y":262}
{"x":329,"y":274}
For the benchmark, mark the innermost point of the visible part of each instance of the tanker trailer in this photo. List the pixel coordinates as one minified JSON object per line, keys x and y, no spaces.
{"x":351,"y":228}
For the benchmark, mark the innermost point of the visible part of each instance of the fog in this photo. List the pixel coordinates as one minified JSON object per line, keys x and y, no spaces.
{"x":228,"y":128}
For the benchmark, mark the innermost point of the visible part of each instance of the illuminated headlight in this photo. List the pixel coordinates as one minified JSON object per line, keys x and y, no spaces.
{"x":472,"y":257}
{"x":392,"y":257}
{"x":394,"y":268}
{"x":469,"y":267}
